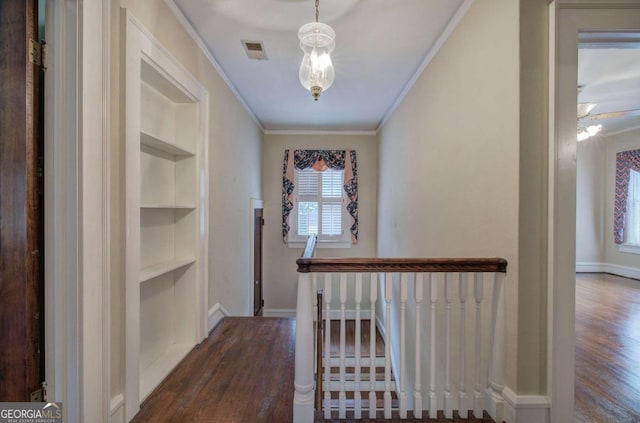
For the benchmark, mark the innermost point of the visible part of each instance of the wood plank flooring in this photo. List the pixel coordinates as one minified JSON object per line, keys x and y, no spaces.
{"x":243,"y":372}
{"x":607,"y":349}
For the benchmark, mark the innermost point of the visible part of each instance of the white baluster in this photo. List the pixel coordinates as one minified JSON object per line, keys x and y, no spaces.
{"x":403,"y":343}
{"x":314,"y":300}
{"x":342,"y":396}
{"x":388,"y":292}
{"x":417,"y":394}
{"x":463,"y":406}
{"x":448,"y":296}
{"x":304,"y":383}
{"x":327,"y":346}
{"x":357,"y":400}
{"x":373,"y":297}
{"x":497,"y":351}
{"x":478,"y":294}
{"x":433,"y":298}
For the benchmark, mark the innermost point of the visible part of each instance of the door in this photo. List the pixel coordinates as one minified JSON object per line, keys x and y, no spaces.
{"x":21,"y":223}
{"x":258,"y":223}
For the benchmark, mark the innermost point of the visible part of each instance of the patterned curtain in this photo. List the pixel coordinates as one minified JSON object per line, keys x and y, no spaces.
{"x":320,"y":160}
{"x":625,"y":162}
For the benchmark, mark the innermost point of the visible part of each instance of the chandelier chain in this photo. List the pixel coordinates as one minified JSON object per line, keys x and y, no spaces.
{"x":317,"y":12}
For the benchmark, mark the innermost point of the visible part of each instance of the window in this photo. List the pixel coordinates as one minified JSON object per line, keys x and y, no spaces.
{"x":320,"y":195}
{"x":319,"y":206}
{"x":632,"y":217}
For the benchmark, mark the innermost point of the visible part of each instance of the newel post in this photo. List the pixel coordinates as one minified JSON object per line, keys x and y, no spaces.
{"x":303,"y":396}
{"x":497,"y":351}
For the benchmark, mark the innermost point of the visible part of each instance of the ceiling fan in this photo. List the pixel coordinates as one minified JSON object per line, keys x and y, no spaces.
{"x":584,"y":112}
{"x":586,"y":130}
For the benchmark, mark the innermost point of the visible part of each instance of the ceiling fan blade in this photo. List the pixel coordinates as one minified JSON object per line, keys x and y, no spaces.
{"x":584,"y":109}
{"x":609,"y":115}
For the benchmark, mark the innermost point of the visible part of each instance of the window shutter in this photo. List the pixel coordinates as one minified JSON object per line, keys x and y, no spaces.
{"x":331,"y":184}
{"x":331,"y":218}
{"x":308,"y":183}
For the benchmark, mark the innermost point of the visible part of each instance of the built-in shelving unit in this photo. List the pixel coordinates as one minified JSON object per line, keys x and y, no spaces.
{"x":166,"y":203}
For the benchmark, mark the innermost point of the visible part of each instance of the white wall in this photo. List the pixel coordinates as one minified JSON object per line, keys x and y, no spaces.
{"x":590,"y":202}
{"x":449,"y":156}
{"x":235,"y":152}
{"x":280,"y":276}
{"x":596,"y":249}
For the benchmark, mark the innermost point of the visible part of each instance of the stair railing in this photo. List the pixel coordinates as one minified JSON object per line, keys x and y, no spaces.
{"x":440,"y":345}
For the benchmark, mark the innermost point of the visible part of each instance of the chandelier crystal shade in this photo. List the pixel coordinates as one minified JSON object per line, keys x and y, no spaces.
{"x":317,"y":41}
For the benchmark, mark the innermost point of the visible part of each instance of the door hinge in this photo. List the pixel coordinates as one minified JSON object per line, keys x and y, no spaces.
{"x":38,"y":53}
{"x":262,"y":221}
{"x":40,"y":394}
{"x":262,"y":303}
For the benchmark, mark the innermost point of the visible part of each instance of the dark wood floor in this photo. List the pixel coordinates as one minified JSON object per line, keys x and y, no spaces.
{"x":607,"y":349}
{"x":231,"y":377}
{"x":243,"y":372}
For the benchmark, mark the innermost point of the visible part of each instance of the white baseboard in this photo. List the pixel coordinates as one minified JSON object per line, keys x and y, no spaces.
{"x":279,"y":312}
{"x":116,"y":409}
{"x":216,"y":314}
{"x":614,"y":269}
{"x":335,"y":314}
{"x":626,"y":271}
{"x":590,"y":267}
{"x":525,"y":408}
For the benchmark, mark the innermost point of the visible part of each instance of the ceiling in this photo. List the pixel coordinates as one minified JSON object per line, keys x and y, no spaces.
{"x":609,"y":73}
{"x":380,"y":46}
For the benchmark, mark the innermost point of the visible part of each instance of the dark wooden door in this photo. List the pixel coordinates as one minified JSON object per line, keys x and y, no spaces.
{"x":258,"y":300}
{"x":21,"y":228}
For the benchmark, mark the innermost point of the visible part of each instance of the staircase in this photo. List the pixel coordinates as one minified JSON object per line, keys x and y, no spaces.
{"x":448,"y":343}
{"x":351,"y":377}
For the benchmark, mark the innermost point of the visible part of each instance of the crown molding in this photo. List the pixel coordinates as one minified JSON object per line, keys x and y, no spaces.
{"x":317,"y":132}
{"x":442,"y":38}
{"x":188,"y":27}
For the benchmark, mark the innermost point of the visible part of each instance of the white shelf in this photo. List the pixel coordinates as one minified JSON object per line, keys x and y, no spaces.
{"x":156,"y":270}
{"x":165,"y":146}
{"x":151,"y":377}
{"x":167,"y":206}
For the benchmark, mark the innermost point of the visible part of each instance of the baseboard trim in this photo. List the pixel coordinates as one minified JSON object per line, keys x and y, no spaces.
{"x":614,"y":269}
{"x":525,"y":408}
{"x":116,"y":409}
{"x":335,"y":314}
{"x":626,"y":271}
{"x":590,"y":267}
{"x":279,"y":312}
{"x":216,"y":314}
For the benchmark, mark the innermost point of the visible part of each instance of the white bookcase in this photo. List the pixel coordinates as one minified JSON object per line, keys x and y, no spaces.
{"x":166,"y":213}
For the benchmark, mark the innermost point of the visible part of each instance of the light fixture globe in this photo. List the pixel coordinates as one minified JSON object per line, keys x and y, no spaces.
{"x":317,"y":41}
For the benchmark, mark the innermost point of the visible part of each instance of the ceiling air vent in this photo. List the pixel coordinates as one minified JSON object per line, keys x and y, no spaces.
{"x":254,"y":50}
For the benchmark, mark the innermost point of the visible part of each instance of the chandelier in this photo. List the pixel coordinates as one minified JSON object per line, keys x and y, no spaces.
{"x":317,"y":41}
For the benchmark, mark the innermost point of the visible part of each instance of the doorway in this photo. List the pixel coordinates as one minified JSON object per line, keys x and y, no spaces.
{"x":256,"y":282}
{"x":569,"y":20}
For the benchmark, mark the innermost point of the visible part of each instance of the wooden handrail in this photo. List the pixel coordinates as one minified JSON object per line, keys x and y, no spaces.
{"x":307,"y":263}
